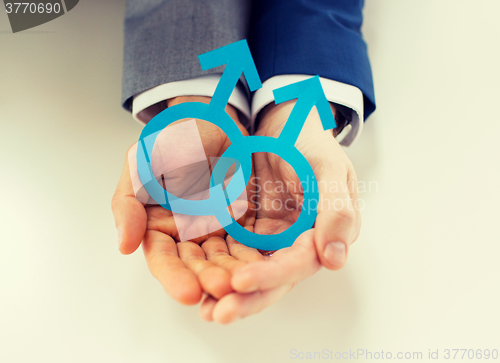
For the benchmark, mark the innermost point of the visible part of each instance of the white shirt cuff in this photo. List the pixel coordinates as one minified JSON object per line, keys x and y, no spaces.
{"x":335,"y":92}
{"x":199,"y":86}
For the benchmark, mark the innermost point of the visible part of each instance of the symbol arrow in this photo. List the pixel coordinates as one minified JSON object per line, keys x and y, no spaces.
{"x":238,"y":60}
{"x":308,"y":93}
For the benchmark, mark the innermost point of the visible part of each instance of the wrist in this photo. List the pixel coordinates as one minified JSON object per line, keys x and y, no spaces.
{"x":273,"y":118}
{"x":160,"y":106}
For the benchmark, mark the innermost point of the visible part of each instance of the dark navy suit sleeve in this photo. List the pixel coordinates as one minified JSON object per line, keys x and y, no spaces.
{"x":316,"y":37}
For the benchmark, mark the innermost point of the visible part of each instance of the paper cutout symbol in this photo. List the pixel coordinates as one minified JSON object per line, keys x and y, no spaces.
{"x":238,"y":60}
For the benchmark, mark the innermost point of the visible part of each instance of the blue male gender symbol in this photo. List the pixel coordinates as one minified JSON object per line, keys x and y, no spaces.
{"x":238,"y":60}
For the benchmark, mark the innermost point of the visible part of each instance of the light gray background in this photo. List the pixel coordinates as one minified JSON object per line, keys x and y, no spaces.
{"x":423,"y":274}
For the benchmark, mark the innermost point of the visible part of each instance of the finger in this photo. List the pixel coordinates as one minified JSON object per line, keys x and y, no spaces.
{"x":129,"y":213}
{"x":214,"y":280}
{"x":338,"y":222}
{"x":164,"y":263}
{"x":217,"y":252}
{"x":286,"y":267}
{"x":236,"y":306}
{"x":242,"y":252}
{"x":207,"y":307}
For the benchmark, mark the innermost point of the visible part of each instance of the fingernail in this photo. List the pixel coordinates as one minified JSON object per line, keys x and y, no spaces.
{"x":335,"y":253}
{"x":120,"y":237}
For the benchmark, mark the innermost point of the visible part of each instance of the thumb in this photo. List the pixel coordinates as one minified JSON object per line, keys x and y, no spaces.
{"x":338,"y":222}
{"x":129,"y":213}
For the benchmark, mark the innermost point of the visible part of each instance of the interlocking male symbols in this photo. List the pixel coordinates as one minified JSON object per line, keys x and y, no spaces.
{"x":238,"y":60}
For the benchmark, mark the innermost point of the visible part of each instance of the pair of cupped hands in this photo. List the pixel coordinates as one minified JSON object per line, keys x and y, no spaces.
{"x":233,"y":280}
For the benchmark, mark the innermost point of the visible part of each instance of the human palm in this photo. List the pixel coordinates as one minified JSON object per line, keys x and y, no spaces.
{"x":187,"y":254}
{"x":259,"y":284}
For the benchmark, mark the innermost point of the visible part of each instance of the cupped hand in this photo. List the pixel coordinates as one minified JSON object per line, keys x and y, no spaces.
{"x":185,"y":268}
{"x":259,"y":284}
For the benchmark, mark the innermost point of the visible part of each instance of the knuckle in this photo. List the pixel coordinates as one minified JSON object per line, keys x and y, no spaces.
{"x":346,"y":214}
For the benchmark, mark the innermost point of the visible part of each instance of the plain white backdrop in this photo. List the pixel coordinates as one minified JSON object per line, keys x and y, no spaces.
{"x":423,"y":275}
